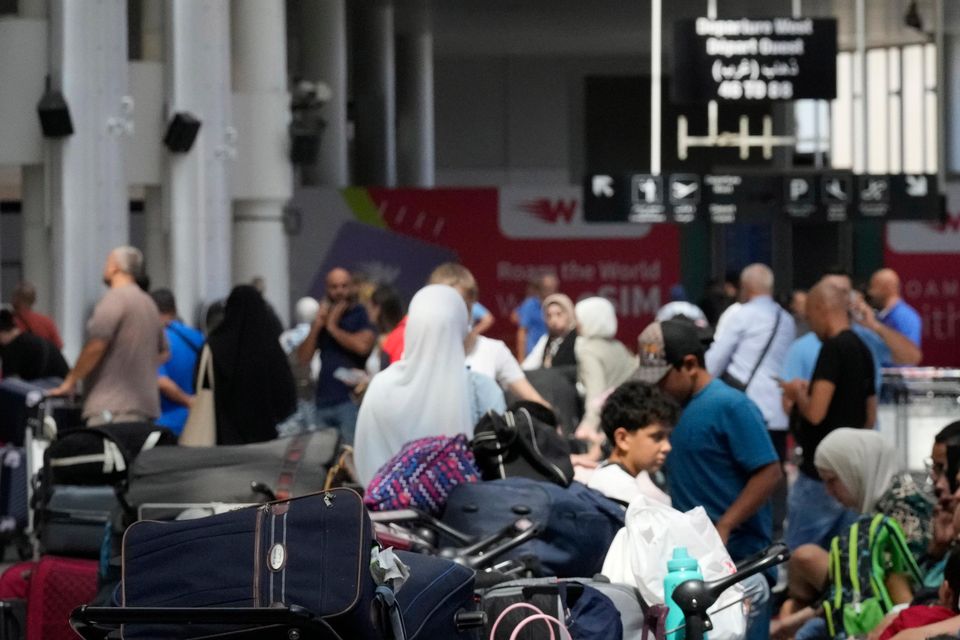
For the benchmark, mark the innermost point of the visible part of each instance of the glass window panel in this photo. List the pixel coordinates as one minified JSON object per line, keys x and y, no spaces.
{"x":877,"y":123}
{"x":930,"y":65}
{"x":931,"y":132}
{"x":841,"y":121}
{"x":913,"y":111}
{"x":895,"y":139}
{"x":893,"y":69}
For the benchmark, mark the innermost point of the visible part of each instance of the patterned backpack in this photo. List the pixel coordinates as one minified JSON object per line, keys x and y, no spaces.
{"x":860,"y":561}
{"x":422,"y":474}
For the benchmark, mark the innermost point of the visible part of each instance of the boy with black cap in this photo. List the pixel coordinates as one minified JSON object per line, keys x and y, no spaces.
{"x":722,"y":457}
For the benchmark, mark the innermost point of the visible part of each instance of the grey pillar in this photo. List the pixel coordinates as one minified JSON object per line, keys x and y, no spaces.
{"x":416,"y":164}
{"x":260,"y":247}
{"x":89,"y":204}
{"x":35,"y":225}
{"x":156,"y":250}
{"x":323,"y":57}
{"x":35,"y":237}
{"x":375,"y":94}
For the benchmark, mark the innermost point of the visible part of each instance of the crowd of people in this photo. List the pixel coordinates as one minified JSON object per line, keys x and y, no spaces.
{"x":709,"y":407}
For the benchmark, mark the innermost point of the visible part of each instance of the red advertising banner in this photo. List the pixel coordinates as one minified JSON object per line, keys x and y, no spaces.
{"x":927,"y":258}
{"x":509,"y":236}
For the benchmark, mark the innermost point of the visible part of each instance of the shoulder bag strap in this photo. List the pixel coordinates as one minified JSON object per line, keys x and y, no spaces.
{"x":185,"y":338}
{"x":205,"y":370}
{"x":763,"y":354}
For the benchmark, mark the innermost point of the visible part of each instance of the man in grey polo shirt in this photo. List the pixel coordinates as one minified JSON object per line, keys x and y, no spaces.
{"x":125,"y":345}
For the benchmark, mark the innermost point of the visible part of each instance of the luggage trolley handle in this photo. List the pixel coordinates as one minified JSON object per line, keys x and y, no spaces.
{"x":281,"y":623}
{"x":694,"y":597}
{"x":485,"y":551}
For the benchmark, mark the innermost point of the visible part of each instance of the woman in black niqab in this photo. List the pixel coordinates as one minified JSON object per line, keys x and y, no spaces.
{"x":254,"y":388}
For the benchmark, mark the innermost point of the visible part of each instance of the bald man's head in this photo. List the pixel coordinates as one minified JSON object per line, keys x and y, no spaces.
{"x":827,"y":305}
{"x":884,"y":289}
{"x":756,"y":280}
{"x":339,"y":285}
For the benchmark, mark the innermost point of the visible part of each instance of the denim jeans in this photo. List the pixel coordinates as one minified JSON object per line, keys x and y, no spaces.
{"x":757,"y":591}
{"x":813,"y":516}
{"x":342,"y":416}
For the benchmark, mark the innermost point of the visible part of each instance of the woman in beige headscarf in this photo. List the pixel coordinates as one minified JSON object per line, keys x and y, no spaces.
{"x":603,"y":363}
{"x":556,"y":348}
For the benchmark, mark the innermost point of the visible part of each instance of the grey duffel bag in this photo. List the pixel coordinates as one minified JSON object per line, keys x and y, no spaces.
{"x":278,"y":469}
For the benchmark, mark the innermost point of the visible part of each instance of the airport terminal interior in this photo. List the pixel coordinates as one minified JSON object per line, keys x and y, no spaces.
{"x":593,"y":318}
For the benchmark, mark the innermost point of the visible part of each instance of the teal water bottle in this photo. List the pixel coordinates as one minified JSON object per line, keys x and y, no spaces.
{"x":680,"y":568}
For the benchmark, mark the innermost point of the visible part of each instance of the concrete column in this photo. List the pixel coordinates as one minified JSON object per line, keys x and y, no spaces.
{"x":35,"y":235}
{"x":196,"y":197}
{"x":263,"y":182}
{"x":416,"y":164}
{"x":323,"y":57}
{"x":374,"y":90}
{"x":35,"y":223}
{"x":89,"y":205}
{"x":157,"y":247}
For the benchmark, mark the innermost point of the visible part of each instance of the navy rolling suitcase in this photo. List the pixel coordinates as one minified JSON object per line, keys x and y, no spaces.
{"x":21,"y":401}
{"x":312,"y":552}
{"x":577,"y":523}
{"x":13,"y":491}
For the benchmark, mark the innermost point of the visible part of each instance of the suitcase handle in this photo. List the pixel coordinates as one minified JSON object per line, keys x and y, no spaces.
{"x":96,"y":623}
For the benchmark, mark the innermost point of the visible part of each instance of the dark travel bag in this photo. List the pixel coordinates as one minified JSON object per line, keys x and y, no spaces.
{"x":247,"y":473}
{"x":577,"y":524}
{"x":518,"y":445}
{"x":313,"y":552}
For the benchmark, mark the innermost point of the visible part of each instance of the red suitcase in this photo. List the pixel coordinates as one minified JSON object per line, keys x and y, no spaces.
{"x":58,"y":586}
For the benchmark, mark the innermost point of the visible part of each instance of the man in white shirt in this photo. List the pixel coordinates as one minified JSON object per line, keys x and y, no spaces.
{"x":749,"y":347}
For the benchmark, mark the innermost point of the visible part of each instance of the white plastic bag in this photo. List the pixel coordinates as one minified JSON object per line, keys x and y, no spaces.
{"x":639,"y":554}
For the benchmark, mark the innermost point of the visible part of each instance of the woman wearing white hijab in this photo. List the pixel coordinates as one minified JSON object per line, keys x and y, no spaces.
{"x":859,"y":469}
{"x":427,"y":392}
{"x":603,"y":363}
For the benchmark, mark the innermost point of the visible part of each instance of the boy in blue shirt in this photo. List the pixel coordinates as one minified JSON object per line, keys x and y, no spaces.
{"x":722,"y":457}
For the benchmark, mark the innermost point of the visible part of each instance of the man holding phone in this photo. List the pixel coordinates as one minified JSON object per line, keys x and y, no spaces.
{"x":840,"y":393}
{"x":344,"y":336}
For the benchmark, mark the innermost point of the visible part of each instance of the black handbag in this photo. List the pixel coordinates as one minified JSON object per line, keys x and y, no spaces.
{"x":517,"y":445}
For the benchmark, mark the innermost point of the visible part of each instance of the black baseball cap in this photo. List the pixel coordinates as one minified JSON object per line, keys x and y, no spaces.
{"x":663,"y":345}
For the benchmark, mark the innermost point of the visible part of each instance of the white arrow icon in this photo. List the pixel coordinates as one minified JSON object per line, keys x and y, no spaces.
{"x":603,"y":186}
{"x":681,"y":190}
{"x":917,"y":186}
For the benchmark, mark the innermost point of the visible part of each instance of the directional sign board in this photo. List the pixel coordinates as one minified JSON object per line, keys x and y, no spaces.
{"x":800,"y":196}
{"x":816,"y":197}
{"x":836,"y":196}
{"x":912,"y":195}
{"x":646,"y":199}
{"x":873,"y":194}
{"x":684,"y":194}
{"x":606,"y":198}
{"x":754,"y":59}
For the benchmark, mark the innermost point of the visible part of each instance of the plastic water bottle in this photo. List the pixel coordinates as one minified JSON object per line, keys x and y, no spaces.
{"x":680,"y":568}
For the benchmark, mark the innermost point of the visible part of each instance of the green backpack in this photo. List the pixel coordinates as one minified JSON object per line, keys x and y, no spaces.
{"x":860,"y":561}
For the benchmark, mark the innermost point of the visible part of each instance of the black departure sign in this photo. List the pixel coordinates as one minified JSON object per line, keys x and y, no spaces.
{"x":724,"y":198}
{"x":754,"y":59}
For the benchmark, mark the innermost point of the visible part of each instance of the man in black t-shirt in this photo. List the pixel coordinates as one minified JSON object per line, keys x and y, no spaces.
{"x":842,"y":393}
{"x":25,"y":355}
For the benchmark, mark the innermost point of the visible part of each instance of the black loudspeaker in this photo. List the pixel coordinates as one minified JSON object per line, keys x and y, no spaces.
{"x":54,"y":115}
{"x":305,"y":143}
{"x":181,"y":132}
